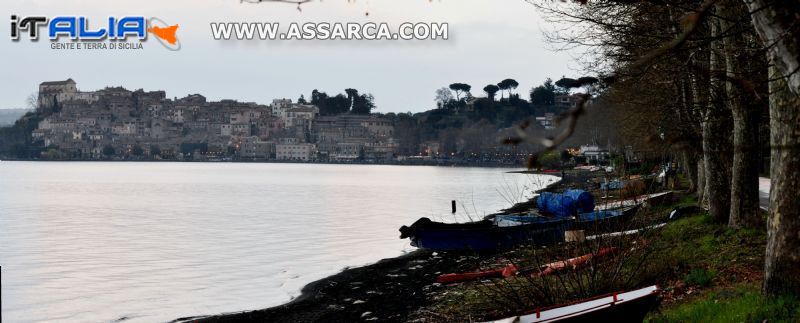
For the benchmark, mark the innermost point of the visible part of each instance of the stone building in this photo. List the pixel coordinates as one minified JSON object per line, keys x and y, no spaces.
{"x":293,"y":149}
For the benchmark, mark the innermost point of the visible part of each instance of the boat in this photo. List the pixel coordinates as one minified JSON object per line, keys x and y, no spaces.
{"x":638,"y":200}
{"x":604,"y":218}
{"x":484,"y":235}
{"x":504,"y":231}
{"x":630,"y":306}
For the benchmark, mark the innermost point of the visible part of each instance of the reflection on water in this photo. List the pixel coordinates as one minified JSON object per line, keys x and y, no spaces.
{"x":157,"y":241}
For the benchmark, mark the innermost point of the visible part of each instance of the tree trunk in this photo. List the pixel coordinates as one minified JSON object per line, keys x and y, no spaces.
{"x":782,"y":264}
{"x":744,"y":175}
{"x":777,"y":25}
{"x":699,"y":102}
{"x":716,"y":137}
{"x":690,"y":168}
{"x":701,"y":183}
{"x":744,"y":105}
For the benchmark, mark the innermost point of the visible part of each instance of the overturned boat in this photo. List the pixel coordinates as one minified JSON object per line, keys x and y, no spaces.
{"x":484,"y":235}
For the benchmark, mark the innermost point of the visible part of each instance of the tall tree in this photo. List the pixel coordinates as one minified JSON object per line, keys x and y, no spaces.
{"x":544,"y":94}
{"x":510,"y":84}
{"x":443,"y":96}
{"x":491,"y":90}
{"x":743,"y":63}
{"x":503,"y":85}
{"x":460,"y":88}
{"x":32,"y":101}
{"x":363,"y":104}
{"x":782,"y":261}
{"x":716,"y":134}
{"x":352,"y":94}
{"x":776,"y":24}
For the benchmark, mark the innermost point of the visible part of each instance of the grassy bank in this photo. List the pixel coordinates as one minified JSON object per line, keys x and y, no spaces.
{"x":735,"y":303}
{"x":719,"y":275}
{"x":707,"y":272}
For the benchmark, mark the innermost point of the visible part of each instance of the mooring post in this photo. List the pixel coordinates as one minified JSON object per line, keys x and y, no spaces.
{"x":453,"y":206}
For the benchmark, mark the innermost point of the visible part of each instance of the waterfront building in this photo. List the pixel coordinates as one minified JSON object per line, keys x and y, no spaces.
{"x":294,"y":150}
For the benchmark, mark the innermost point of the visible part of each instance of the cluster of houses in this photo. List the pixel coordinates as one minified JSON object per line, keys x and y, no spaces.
{"x":114,"y":122}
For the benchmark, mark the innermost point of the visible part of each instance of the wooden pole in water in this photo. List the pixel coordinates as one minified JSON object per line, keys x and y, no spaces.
{"x":453,"y":206}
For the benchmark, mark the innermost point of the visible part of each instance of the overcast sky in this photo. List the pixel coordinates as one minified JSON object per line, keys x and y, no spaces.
{"x":489,"y":40}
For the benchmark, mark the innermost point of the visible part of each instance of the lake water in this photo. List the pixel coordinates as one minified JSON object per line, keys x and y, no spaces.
{"x":98,"y":242}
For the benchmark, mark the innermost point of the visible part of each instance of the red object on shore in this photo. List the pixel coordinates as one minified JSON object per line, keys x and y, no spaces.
{"x":551,"y":171}
{"x":512,"y":270}
{"x":462,"y":277}
{"x":575,"y":263}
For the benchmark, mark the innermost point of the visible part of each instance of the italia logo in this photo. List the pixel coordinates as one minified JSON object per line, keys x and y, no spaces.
{"x":77,"y":28}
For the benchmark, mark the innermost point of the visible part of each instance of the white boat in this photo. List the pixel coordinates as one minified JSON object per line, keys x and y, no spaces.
{"x":630,"y":306}
{"x":632,"y":201}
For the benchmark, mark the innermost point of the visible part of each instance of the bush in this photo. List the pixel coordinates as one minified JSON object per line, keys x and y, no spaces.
{"x":700,"y":277}
{"x":633,"y":188}
{"x":550,"y":159}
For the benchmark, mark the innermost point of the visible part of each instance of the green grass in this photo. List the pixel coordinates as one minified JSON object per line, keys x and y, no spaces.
{"x":700,"y":251}
{"x":686,"y":200}
{"x":743,"y":303}
{"x":699,"y":242}
{"x":699,"y":277}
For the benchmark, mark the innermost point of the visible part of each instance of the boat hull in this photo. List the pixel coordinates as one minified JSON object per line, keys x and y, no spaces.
{"x":630,"y":306}
{"x":600,"y":221}
{"x":483,"y":235}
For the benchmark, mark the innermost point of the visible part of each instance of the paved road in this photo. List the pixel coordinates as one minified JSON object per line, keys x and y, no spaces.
{"x":763,"y":192}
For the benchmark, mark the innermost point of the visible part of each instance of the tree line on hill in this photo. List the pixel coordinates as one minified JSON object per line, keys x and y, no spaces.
{"x":466,"y":125}
{"x":348,"y":102}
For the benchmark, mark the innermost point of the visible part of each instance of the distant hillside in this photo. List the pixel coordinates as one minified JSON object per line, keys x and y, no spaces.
{"x":8,"y":116}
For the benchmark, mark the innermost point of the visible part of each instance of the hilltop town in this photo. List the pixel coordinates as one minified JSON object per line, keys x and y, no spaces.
{"x":115,"y":123}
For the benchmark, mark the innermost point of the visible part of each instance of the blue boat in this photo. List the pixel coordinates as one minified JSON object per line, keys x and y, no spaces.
{"x":483,"y":235}
{"x":573,"y":209}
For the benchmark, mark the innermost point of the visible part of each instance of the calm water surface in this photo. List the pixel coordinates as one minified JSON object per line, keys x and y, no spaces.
{"x":149,"y":242}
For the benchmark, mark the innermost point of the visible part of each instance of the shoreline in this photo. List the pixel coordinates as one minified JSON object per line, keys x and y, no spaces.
{"x":431,"y":163}
{"x":390,"y":290}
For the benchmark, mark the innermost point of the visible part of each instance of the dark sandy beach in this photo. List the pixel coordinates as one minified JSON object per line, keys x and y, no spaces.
{"x":390,"y":290}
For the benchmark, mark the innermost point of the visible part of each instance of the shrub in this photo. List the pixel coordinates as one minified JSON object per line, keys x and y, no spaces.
{"x":699,"y":277}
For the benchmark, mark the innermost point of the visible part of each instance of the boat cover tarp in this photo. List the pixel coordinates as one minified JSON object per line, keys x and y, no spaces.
{"x":566,"y":204}
{"x":612,"y":185}
{"x":600,"y":215}
{"x":507,"y":220}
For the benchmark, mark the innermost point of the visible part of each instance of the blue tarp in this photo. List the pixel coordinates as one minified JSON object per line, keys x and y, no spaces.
{"x":584,"y":201}
{"x":612,"y":185}
{"x":599,"y":215}
{"x":507,"y":220}
{"x":566,"y":204}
